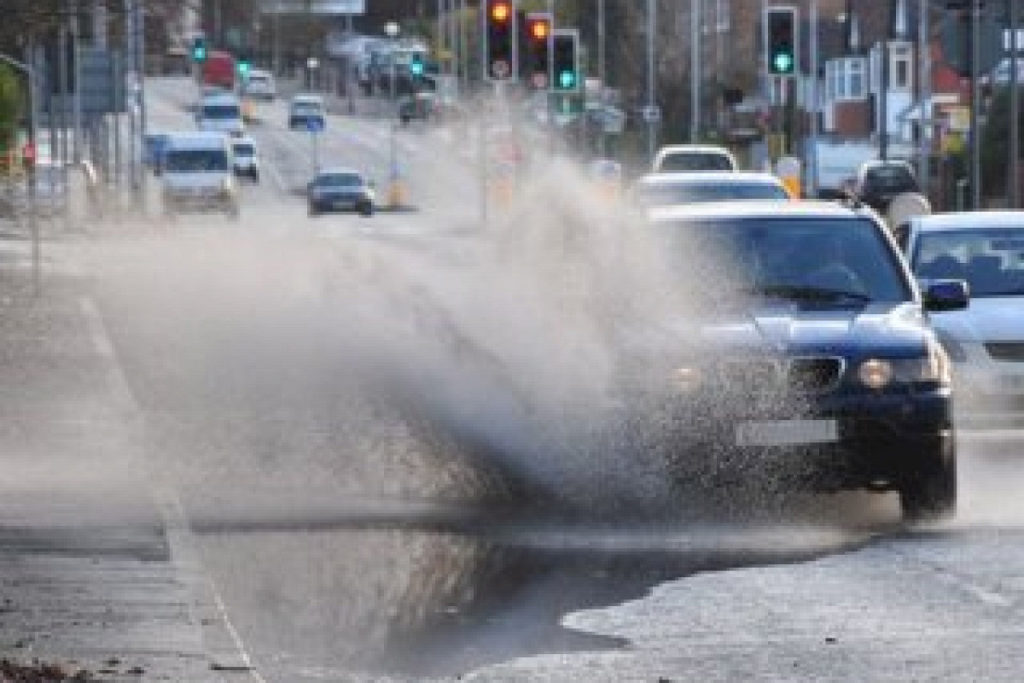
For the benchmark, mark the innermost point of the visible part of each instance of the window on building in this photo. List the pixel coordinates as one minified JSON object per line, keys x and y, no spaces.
{"x":901,"y":70}
{"x":845,"y":79}
{"x":856,"y":73}
{"x":722,"y":14}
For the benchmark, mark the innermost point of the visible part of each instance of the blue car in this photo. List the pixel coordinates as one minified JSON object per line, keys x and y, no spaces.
{"x":801,"y":353}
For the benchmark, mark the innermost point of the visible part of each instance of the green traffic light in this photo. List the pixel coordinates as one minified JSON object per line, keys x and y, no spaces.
{"x":416,"y":67}
{"x":783,"y":62}
{"x":566,"y":80}
{"x":243,"y":68}
{"x":199,"y":54}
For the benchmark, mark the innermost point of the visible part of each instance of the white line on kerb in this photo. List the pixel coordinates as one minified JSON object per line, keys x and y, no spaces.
{"x":167,"y":501}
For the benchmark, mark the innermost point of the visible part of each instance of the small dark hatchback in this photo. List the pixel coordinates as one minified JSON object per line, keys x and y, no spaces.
{"x":340,"y":190}
{"x":805,"y":352}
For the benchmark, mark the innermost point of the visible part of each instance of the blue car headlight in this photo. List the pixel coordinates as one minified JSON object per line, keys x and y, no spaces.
{"x":931,"y":369}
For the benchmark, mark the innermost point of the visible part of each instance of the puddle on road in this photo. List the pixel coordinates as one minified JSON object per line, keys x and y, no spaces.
{"x":445,"y":594}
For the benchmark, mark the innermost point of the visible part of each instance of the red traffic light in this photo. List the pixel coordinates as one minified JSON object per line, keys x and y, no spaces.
{"x":539,"y":29}
{"x":501,"y":11}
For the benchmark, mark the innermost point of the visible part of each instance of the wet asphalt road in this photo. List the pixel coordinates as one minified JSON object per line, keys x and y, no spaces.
{"x":351,"y":540}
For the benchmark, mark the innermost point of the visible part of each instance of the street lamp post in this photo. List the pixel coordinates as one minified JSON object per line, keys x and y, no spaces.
{"x":33,"y":222}
{"x":312,"y":64}
{"x":391,"y":29}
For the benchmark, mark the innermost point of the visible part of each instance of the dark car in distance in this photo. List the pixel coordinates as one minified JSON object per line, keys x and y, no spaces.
{"x":809,"y":357}
{"x":879,"y":182}
{"x":340,"y":190}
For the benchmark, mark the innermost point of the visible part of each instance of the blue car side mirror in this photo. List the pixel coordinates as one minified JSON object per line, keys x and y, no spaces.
{"x":946,"y":295}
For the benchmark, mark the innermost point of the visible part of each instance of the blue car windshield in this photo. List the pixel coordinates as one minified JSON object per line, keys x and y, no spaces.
{"x":820,"y":261}
{"x":990,"y":259}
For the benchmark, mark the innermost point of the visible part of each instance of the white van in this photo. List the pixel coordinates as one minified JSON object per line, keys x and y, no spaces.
{"x":198,"y":174}
{"x":221,"y":113}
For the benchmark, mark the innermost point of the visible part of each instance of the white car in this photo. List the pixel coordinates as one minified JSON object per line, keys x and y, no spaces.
{"x":220,"y":113}
{"x":986,"y":340}
{"x":673,"y":189}
{"x":198,"y":174}
{"x":260,"y":85}
{"x":693,"y":158}
{"x":246,"y":158}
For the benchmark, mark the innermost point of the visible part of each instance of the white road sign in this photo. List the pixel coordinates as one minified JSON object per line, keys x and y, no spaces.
{"x":314,"y":7}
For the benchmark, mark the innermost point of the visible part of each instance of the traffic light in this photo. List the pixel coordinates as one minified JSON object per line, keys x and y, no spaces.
{"x":535,"y":52}
{"x":199,"y":49}
{"x":500,"y":35}
{"x":781,"y":56}
{"x":244,"y":66}
{"x":416,"y":65}
{"x":565,"y":60}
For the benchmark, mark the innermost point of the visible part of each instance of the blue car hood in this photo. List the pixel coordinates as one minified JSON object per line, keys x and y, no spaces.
{"x":894,"y":329}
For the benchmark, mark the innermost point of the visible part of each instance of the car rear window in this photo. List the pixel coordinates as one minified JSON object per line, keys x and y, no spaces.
{"x":891,"y":178}
{"x":696,"y":161}
{"x":340,"y":180}
{"x":658,"y":194}
{"x":195,"y":160}
{"x":221,"y":111}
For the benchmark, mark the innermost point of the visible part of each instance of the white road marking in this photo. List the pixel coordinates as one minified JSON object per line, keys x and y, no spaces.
{"x":169,"y":505}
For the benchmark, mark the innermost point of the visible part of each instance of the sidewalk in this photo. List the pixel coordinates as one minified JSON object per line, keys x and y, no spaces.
{"x":95,"y":580}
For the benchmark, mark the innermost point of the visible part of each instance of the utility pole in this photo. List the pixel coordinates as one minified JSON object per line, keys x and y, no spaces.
{"x":463,"y":49}
{"x":217,"y":24}
{"x":883,"y":97}
{"x":59,"y":146}
{"x":812,"y":158}
{"x":924,"y":77}
{"x":976,"y":103}
{"x":128,"y":50}
{"x":651,"y":95}
{"x":1014,"y":194}
{"x":602,"y":71}
{"x":139,"y":48}
{"x":77,"y":112}
{"x":276,"y":58}
{"x":453,"y":39}
{"x":696,"y":10}
{"x":28,"y":67}
{"x":440,"y":36}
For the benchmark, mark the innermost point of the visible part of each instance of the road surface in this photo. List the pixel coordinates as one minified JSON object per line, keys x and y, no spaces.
{"x":344,"y":408}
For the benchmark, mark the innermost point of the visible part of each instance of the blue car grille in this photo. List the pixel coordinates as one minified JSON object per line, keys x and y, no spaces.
{"x":797,"y":375}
